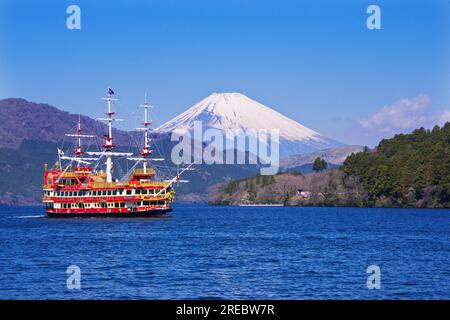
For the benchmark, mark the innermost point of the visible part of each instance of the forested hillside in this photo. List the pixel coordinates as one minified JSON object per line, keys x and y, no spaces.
{"x":408,"y":170}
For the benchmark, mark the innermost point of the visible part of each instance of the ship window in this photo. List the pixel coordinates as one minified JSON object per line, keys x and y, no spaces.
{"x":128,"y":192}
{"x":94,"y":193}
{"x":104,"y":192}
{"x":144,"y":191}
{"x":138,"y":191}
{"x":118,"y":192}
{"x":49,"y":181}
{"x":146,"y":203}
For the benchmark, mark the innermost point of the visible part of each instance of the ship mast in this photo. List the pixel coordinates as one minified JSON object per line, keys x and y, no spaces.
{"x":145,"y":151}
{"x":78,"y":149}
{"x":108,"y":144}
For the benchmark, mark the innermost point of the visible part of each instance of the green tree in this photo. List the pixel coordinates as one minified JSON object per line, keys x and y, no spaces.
{"x":320,"y":164}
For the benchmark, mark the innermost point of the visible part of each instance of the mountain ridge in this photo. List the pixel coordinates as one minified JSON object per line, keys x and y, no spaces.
{"x":235,"y":111}
{"x":335,"y":156}
{"x":30,"y":133}
{"x":23,"y":119}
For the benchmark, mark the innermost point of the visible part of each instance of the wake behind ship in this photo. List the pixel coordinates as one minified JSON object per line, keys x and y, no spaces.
{"x":84,"y":191}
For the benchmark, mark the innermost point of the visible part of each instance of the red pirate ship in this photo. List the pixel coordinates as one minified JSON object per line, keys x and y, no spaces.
{"x":85,"y":191}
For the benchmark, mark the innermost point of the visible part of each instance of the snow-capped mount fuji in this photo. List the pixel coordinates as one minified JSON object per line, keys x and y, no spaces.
{"x":234,"y":111}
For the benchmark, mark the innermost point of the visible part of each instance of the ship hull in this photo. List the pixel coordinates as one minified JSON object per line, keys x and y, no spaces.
{"x":136,"y":214}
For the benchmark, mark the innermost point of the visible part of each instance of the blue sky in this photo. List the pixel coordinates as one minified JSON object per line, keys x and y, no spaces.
{"x":314,"y":61}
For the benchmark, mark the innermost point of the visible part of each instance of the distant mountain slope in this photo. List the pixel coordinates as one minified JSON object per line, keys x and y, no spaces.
{"x":22,"y":119}
{"x":234,"y":111}
{"x":21,"y":172}
{"x":332,"y":155}
{"x":30,"y":133}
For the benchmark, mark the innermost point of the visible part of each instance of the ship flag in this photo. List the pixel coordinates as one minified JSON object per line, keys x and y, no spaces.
{"x":110,"y":91}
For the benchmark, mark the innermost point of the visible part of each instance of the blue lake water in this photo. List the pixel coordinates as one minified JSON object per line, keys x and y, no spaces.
{"x":228,"y":253}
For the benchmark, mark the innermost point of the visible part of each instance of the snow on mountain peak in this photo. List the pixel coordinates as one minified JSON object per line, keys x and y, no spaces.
{"x":233,"y":111}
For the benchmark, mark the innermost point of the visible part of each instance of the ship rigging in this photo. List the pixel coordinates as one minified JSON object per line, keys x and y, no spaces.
{"x":87,"y":192}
